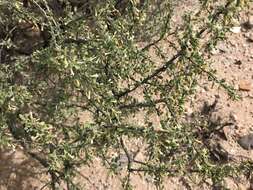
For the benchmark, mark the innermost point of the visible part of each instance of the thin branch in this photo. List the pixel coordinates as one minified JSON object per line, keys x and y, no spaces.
{"x":142,"y":104}
{"x":129,"y":160}
{"x":154,"y":74}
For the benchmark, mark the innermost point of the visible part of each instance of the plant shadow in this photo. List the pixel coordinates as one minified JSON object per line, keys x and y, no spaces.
{"x":19,"y":172}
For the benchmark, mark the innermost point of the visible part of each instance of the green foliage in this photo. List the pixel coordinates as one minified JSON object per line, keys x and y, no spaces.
{"x":106,"y":59}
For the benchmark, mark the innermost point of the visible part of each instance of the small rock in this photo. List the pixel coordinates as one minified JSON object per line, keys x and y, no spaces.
{"x":206,"y":88}
{"x":244,"y":28}
{"x":227,"y":130}
{"x":248,"y":24}
{"x":246,"y":141}
{"x":249,"y":37}
{"x":245,"y":85}
{"x":250,"y":21}
{"x":215,"y":51}
{"x":222,"y":48}
{"x":233,"y":117}
{"x":235,"y":29}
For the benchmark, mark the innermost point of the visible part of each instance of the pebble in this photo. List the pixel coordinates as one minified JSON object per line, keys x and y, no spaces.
{"x":215,"y":51}
{"x":233,"y":117}
{"x":249,"y":37}
{"x":235,"y":29}
{"x":250,"y":21}
{"x":249,"y":24}
{"x":206,"y":88}
{"x":246,"y":141}
{"x":245,"y":85}
{"x":227,"y":130}
{"x":222,"y":48}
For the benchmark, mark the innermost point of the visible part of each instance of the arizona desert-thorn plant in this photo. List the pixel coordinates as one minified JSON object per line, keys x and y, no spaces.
{"x":109,"y":61}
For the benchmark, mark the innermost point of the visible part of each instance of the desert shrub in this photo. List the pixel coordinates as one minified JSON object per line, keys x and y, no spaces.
{"x":107,"y":60}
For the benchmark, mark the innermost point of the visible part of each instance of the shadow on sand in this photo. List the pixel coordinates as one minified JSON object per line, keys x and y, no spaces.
{"x":19,"y":172}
